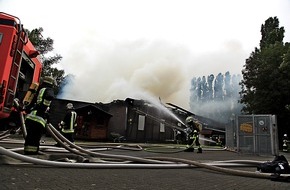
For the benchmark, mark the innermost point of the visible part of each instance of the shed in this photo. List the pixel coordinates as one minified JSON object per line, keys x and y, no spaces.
{"x":92,"y":123}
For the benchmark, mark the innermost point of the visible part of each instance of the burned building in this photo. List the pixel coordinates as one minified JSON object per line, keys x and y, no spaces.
{"x":140,"y":121}
{"x":92,"y":120}
{"x":135,"y":120}
{"x":92,"y":123}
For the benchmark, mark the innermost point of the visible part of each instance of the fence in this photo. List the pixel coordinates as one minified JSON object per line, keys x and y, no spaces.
{"x":257,"y":134}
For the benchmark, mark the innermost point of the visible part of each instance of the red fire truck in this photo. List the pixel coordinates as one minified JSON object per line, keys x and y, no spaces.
{"x":19,"y":63}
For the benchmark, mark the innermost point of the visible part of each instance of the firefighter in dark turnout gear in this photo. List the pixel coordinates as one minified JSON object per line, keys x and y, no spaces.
{"x":36,"y":120}
{"x":193,"y":129}
{"x":285,"y":143}
{"x":68,"y":124}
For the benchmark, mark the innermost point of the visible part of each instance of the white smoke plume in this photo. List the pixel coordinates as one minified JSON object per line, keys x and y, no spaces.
{"x":138,"y":69}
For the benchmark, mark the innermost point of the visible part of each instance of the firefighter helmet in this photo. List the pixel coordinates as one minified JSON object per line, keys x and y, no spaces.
{"x":69,"y":106}
{"x":49,"y":80}
{"x":189,"y":119}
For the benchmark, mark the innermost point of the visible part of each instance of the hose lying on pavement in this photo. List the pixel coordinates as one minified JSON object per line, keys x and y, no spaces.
{"x":60,"y":138}
{"x":180,"y":163}
{"x":60,"y":141}
{"x":227,"y":163}
{"x":85,"y":165}
{"x":168,"y":165}
{"x":160,"y":162}
{"x":4,"y":133}
{"x":4,"y":136}
{"x":218,"y":169}
{"x":189,"y":162}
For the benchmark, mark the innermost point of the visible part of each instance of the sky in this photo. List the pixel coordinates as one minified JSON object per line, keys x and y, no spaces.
{"x":118,"y":49}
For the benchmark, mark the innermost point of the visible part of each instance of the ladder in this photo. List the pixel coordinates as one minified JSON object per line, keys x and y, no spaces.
{"x":17,"y":49}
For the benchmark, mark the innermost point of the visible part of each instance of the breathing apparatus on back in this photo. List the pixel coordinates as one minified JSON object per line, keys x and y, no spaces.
{"x":30,"y":94}
{"x":190,"y":122}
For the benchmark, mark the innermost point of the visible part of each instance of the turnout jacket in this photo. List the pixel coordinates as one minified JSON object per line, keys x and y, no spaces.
{"x":40,"y":112}
{"x":69,"y":122}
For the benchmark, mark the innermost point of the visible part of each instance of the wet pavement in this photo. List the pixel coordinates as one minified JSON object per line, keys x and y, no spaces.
{"x":17,"y":175}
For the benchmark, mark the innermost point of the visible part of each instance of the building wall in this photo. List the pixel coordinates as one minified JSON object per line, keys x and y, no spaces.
{"x":118,"y":121}
{"x":58,"y":109}
{"x":151,"y":130}
{"x":124,"y":121}
{"x":92,"y":123}
{"x":88,"y":128}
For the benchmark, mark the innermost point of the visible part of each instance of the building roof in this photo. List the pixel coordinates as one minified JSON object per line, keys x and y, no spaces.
{"x":92,"y":107}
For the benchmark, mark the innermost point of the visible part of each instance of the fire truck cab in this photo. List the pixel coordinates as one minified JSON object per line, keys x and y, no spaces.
{"x":20,"y":64}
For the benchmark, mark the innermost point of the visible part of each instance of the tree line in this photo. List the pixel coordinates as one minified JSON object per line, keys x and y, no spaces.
{"x":264,"y":87}
{"x":216,"y":97}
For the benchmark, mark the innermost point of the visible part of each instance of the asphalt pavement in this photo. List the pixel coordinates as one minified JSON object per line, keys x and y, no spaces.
{"x":17,"y":174}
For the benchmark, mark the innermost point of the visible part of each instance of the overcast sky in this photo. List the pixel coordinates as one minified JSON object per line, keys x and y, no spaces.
{"x":137,"y":48}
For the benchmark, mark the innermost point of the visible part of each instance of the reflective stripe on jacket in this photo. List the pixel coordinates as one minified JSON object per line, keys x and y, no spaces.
{"x":40,"y":98}
{"x":30,"y":148}
{"x":69,"y":128}
{"x":34,"y":117}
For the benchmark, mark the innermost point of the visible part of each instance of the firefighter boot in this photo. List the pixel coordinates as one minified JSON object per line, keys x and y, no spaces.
{"x":189,"y":149}
{"x":285,"y":147}
{"x":199,"y":150}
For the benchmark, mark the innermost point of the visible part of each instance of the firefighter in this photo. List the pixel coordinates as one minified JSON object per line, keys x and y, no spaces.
{"x":38,"y":117}
{"x":193,"y":140}
{"x":193,"y":129}
{"x":68,"y":124}
{"x":219,"y":142}
{"x":285,"y":143}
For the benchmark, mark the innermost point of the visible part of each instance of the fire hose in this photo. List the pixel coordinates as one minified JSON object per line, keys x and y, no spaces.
{"x":4,"y":134}
{"x":150,"y":162}
{"x":176,"y":163}
{"x":60,"y":138}
{"x":16,"y":104}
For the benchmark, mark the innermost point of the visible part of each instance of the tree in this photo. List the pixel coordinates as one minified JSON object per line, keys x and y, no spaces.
{"x":44,"y":46}
{"x":285,"y":68}
{"x":215,"y":97}
{"x":265,"y":84}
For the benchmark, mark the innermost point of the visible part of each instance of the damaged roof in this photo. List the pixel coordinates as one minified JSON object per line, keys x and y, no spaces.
{"x":92,"y":107}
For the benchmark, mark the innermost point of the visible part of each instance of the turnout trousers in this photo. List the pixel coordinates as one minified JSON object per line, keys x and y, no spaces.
{"x":34,"y":132}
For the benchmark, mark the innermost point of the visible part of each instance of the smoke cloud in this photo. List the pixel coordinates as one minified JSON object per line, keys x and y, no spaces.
{"x":103,"y":72}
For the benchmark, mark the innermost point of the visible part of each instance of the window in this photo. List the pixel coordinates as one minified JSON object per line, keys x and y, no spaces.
{"x":162,"y":128}
{"x":141,"y":122}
